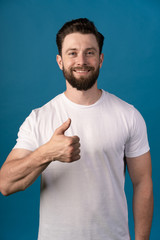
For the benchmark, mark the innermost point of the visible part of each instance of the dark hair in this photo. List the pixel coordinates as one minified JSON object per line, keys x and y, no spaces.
{"x":81,"y":25}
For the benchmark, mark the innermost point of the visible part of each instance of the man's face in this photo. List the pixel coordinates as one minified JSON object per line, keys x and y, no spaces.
{"x":80,"y":60}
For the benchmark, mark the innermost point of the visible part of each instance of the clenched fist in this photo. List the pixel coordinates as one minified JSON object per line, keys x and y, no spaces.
{"x":61,"y":147}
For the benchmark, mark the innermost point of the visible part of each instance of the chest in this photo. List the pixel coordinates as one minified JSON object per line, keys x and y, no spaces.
{"x":99,"y":131}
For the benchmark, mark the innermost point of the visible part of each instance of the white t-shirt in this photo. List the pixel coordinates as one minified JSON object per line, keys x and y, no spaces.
{"x":85,"y":200}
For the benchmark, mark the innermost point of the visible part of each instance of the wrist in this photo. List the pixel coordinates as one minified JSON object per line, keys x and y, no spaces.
{"x":44,"y":155}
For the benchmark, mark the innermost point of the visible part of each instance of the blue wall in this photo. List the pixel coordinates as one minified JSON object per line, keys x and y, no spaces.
{"x":30,"y":77}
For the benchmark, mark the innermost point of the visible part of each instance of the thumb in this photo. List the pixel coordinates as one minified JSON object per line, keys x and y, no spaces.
{"x":61,"y":130}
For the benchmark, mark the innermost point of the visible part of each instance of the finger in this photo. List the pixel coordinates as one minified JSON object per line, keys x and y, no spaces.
{"x":61,"y":130}
{"x":75,"y":158}
{"x":76,"y":153}
{"x":75,"y":139}
{"x":76,"y":146}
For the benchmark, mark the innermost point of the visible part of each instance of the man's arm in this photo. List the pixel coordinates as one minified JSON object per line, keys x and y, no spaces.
{"x":140,"y":171}
{"x":22,"y":167}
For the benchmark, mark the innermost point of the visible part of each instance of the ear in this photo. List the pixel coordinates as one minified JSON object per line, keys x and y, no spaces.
{"x":59,"y":61}
{"x":101,"y":60}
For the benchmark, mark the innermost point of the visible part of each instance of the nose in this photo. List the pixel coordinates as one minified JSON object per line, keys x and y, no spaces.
{"x":81,"y":59}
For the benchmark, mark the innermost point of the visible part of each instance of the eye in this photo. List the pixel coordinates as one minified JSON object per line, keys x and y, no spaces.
{"x":90,"y":53}
{"x":72,"y":54}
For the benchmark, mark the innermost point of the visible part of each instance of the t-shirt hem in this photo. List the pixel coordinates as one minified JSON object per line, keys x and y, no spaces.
{"x":22,"y":147}
{"x":138,"y":154}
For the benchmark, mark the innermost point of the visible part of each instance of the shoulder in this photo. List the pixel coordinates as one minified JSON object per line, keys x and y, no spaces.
{"x":122,"y":110}
{"x":47,"y":110}
{"x":117,"y":104}
{"x":49,"y":106}
{"x":44,"y":112}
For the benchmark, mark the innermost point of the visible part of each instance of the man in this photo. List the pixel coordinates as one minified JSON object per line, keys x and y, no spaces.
{"x":82,"y":191}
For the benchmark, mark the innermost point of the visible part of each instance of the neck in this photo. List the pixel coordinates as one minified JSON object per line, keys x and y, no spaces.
{"x":83,"y":97}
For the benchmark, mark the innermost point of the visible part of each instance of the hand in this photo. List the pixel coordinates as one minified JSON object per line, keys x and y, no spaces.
{"x":61,"y":147}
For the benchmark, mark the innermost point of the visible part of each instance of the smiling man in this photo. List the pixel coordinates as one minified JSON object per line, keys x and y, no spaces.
{"x":82,"y":62}
{"x":80,"y":143}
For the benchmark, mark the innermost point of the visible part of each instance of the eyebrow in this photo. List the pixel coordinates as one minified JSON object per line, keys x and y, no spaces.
{"x":92,"y":48}
{"x":75,"y":49}
{"x":71,"y":49}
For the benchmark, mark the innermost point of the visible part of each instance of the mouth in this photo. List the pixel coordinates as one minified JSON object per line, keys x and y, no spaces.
{"x":82,"y":70}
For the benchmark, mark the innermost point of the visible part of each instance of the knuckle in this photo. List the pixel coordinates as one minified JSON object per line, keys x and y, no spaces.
{"x":71,"y":150}
{"x":77,"y":138}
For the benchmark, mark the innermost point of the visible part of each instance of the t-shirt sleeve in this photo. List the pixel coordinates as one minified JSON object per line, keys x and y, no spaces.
{"x":137,"y":143}
{"x":27,"y":135}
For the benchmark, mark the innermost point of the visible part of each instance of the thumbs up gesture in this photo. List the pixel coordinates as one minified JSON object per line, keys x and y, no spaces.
{"x":61,"y":147}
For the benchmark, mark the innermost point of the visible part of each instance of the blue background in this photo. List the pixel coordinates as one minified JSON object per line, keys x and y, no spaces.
{"x":30,"y":77}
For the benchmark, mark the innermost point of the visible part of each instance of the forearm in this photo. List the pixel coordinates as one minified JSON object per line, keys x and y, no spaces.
{"x":143,"y":209}
{"x":26,"y":181}
{"x":22,"y":167}
{"x":18,"y":174}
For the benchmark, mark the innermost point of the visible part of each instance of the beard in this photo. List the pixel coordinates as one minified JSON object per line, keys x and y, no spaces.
{"x":81,"y":83}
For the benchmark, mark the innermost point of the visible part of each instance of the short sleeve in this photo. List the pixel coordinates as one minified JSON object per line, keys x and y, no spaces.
{"x":137,"y":143}
{"x":26,"y":135}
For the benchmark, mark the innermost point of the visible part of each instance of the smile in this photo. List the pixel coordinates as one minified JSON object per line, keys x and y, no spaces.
{"x":81,"y":71}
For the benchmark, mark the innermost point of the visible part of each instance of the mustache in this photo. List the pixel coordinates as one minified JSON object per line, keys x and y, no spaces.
{"x":83,"y":68}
